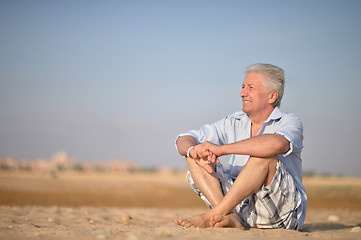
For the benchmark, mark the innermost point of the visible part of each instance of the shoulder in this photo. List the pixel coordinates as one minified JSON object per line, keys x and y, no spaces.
{"x":237,"y":115}
{"x":290,"y":121}
{"x":291,"y":117}
{"x":284,"y":116}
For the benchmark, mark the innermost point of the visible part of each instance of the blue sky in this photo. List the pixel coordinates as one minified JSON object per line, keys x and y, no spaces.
{"x":120,"y":79}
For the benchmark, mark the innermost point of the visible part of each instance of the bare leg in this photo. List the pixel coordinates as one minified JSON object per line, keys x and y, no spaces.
{"x":257,"y":172}
{"x":209,"y":185}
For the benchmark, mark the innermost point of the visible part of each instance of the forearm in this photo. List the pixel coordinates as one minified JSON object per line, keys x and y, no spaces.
{"x":264,"y":145}
{"x":184,"y":143}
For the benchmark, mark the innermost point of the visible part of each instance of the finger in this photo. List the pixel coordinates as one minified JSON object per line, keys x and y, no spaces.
{"x":208,"y":168}
{"x":210,"y":158}
{"x":214,"y":158}
{"x":201,"y":162}
{"x":205,"y":164}
{"x":195,"y":154}
{"x":199,"y":154}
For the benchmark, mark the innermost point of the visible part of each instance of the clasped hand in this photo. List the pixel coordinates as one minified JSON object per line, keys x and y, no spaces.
{"x":205,"y":154}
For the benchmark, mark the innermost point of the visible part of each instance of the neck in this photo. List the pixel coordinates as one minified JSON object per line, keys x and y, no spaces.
{"x":258,"y":119}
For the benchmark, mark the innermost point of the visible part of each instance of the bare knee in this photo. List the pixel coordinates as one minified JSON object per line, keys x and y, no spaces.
{"x":264,"y":162}
{"x":268,"y":165}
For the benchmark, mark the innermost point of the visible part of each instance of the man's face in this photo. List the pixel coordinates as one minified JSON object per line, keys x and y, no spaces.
{"x":255,"y":97}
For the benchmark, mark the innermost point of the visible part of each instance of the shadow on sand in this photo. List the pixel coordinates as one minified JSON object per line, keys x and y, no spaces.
{"x":320,"y":227}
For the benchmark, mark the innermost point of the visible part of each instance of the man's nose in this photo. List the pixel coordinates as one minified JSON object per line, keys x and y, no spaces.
{"x":242,"y":93}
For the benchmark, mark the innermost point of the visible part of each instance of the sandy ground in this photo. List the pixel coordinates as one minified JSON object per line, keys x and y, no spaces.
{"x":143,"y":206}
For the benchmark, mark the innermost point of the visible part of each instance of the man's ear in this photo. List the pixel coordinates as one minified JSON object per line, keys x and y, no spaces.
{"x":272,"y":97}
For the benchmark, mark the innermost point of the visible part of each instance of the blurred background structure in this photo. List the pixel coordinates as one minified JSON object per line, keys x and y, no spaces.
{"x":104,"y":80}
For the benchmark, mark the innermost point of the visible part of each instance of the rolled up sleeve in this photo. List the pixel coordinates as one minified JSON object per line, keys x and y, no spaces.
{"x":292,"y":129}
{"x":214,"y":133}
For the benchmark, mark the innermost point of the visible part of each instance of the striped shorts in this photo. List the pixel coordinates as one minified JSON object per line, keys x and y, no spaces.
{"x":277,"y":205}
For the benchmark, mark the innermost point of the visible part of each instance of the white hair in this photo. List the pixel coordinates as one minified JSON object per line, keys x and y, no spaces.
{"x":274,"y":78}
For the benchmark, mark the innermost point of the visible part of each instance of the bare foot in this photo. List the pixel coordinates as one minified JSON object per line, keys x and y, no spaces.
{"x":201,"y":221}
{"x":230,"y":220}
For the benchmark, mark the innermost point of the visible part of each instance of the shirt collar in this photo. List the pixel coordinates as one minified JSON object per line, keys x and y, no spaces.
{"x":276,"y":114}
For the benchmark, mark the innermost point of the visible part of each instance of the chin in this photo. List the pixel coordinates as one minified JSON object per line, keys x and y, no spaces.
{"x":245,"y":110}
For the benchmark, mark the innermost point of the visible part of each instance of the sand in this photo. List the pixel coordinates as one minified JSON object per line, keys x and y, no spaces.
{"x":143,"y":205}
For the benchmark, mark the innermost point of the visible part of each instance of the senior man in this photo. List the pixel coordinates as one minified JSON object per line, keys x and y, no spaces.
{"x":262,"y":187}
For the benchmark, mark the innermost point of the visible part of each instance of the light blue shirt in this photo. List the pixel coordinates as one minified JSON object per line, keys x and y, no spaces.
{"x":236,"y":127}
